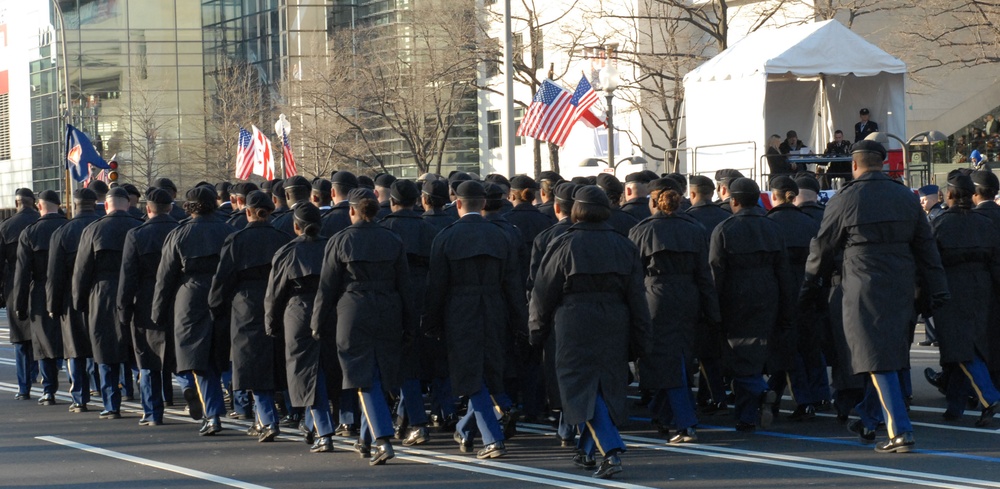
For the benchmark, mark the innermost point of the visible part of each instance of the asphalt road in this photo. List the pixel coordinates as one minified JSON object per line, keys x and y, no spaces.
{"x":45,"y":446}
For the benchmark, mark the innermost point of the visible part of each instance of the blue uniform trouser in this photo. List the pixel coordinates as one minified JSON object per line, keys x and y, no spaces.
{"x":318,"y":415}
{"x":167,"y":385}
{"x":710,"y":381}
{"x":982,"y":384}
{"x":129,"y":371}
{"x":49,"y":368}
{"x":600,"y":433}
{"x":748,"y":390}
{"x":79,"y":380}
{"x":209,"y":386}
{"x":185,"y":380}
{"x":111,"y":393}
{"x":263,"y":407}
{"x":348,"y":406}
{"x":151,"y":393}
{"x":905,"y":383}
{"x":376,"y":421}
{"x":930,"y":331}
{"x":565,"y":430}
{"x":411,"y":403}
{"x":882,"y":391}
{"x":808,"y":385}
{"x":24,"y":357}
{"x":95,"y":375}
{"x":483,"y":410}
{"x":678,"y":401}
{"x":442,"y":400}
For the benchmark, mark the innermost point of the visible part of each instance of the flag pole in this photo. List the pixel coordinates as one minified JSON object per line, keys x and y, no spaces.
{"x":68,"y":113}
{"x":508,"y":89}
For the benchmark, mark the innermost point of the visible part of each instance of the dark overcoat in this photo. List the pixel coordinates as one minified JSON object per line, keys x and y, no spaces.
{"x":884,"y":235}
{"x":538,"y":248}
{"x":183,"y":279}
{"x":638,"y":208}
{"x":589,"y":294}
{"x":439,"y":218}
{"x":29,"y":285}
{"x":797,"y":230}
{"x":680,"y":292}
{"x":153,"y":342}
{"x":337,"y":219}
{"x":10,"y":232}
{"x":622,"y":222}
{"x":59,"y":290}
{"x":991,"y":210}
{"x":237,"y":295}
{"x":95,"y":285}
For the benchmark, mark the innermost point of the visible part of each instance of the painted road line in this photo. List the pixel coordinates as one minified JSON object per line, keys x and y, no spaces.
{"x":196,"y":474}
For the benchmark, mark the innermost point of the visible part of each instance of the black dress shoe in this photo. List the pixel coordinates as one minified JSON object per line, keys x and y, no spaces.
{"x":858,"y":428}
{"x":584,"y":461}
{"x":687,"y":435}
{"x":987,"y":415}
{"x":268,"y":434}
{"x":291,"y":421}
{"x":823,"y":406}
{"x":78,"y":408}
{"x":254,"y":430}
{"x":47,"y":400}
{"x":308,"y":435}
{"x":610,"y":466}
{"x":381,"y":454}
{"x":493,"y":450}
{"x":509,"y":424}
{"x":925,"y":343}
{"x":22,"y":397}
{"x":803,"y":412}
{"x":416,"y":436}
{"x":343,"y":429}
{"x":448,"y":423}
{"x":745,"y":427}
{"x":567,"y":443}
{"x":210,"y":427}
{"x":149,"y":422}
{"x":936,"y":379}
{"x":323,"y":444}
{"x":902,"y":443}
{"x":950,"y":416}
{"x":363,"y":450}
{"x":238,"y":415}
{"x":464,"y":445}
{"x":109,"y":415}
{"x":195,"y":409}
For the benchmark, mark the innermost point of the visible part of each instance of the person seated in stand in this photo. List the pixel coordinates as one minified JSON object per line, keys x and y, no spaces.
{"x":776,"y":159}
{"x":838,"y":147}
{"x":791,"y":145}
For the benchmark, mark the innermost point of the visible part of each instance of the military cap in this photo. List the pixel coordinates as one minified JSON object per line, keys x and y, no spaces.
{"x":650,"y":175}
{"x":677,"y":177}
{"x":131,"y":189}
{"x":727,"y":175}
{"x":638,"y":177}
{"x":364,"y":181}
{"x":50,"y":196}
{"x":744,"y":186}
{"x":25,"y":193}
{"x":307,"y":213}
{"x":355,"y":196}
{"x":427,"y":177}
{"x":266,"y":185}
{"x":165,"y":183}
{"x":701,"y":181}
{"x":522,"y":182}
{"x":475,"y":176}
{"x":579,"y":180}
{"x":549,"y":176}
{"x":591,"y":180}
{"x":592,"y":194}
{"x":205,"y":184}
{"x":985,"y":179}
{"x":864,"y":111}
{"x":962,"y":182}
{"x":384,"y":180}
{"x":297,"y":181}
{"x":610,"y":183}
{"x":85,"y":194}
{"x":806,"y":181}
{"x":497,"y":179}
{"x":493,"y":191}
{"x":98,"y":187}
{"x":927,"y":190}
{"x":200,"y":194}
{"x":456,"y":178}
{"x":344,"y":179}
{"x":223,"y":188}
{"x":868,"y":146}
{"x":664,"y":184}
{"x":565,"y":191}
{"x":323,"y":186}
{"x":259,"y":200}
{"x":783,"y":183}
{"x":243,"y":188}
{"x":118,"y":193}
{"x":278,"y":188}
{"x":470,"y":189}
{"x":404,"y":191}
{"x":436,"y":188}
{"x":158,"y":196}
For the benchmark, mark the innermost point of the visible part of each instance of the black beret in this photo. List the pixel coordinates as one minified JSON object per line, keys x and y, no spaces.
{"x":638,"y":177}
{"x":223,"y":188}
{"x":25,"y":193}
{"x":663,"y":184}
{"x":961,"y":181}
{"x":427,"y":177}
{"x":278,"y":188}
{"x":868,"y":146}
{"x":928,"y":190}
{"x":404,"y":191}
{"x":677,"y":177}
{"x":323,"y":186}
{"x":118,"y":193}
{"x":591,"y":180}
{"x":493,"y":191}
{"x":783,"y":183}
{"x":549,"y":176}
{"x":50,"y":196}
{"x":200,"y":194}
{"x":364,"y":181}
{"x":307,"y":213}
{"x":244,"y":188}
{"x":456,"y":178}
{"x":86,"y":194}
{"x":610,"y":183}
{"x":470,"y":189}
{"x":132,"y":189}
{"x":650,"y":175}
{"x":521,"y":182}
{"x":259,"y":200}
{"x":384,"y":180}
{"x":165,"y":183}
{"x":725,"y":175}
{"x":436,"y":188}
{"x":266,"y":185}
{"x":205,"y":184}
{"x":592,"y":194}
{"x":344,"y":179}
{"x":98,"y":187}
{"x":701,"y":181}
{"x":565,"y":191}
{"x":497,"y":179}
{"x":355,"y":196}
{"x":744,"y":186}
{"x":806,"y":181}
{"x":579,"y":180}
{"x":986,"y":179}
{"x":297,"y":181}
{"x":158,"y":196}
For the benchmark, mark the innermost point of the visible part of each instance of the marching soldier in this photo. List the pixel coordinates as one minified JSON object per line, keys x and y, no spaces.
{"x":434,"y":195}
{"x":20,"y":331}
{"x":133,"y":201}
{"x":240,"y":191}
{"x":101,"y":189}
{"x":547,"y":181}
{"x":297,"y":191}
{"x":722,"y":180}
{"x":622,"y":221}
{"x":383,"y":187}
{"x":987,"y":186}
{"x":637,"y":195}
{"x":176,"y":211}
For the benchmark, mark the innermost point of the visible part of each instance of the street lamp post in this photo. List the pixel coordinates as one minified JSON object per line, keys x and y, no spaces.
{"x":282,"y":127}
{"x":930,"y":137}
{"x":609,"y":83}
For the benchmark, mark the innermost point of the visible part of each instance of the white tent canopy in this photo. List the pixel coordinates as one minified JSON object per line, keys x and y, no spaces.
{"x":811,"y":78}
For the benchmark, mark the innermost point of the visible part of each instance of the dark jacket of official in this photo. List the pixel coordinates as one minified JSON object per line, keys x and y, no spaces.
{"x":288,"y":308}
{"x":969,"y":245}
{"x":10,"y":233}
{"x":337,"y":219}
{"x":637,"y":208}
{"x":475,"y":301}
{"x":153,"y":342}
{"x":183,"y":279}
{"x":991,"y":210}
{"x":797,"y":230}
{"x":680,"y":292}
{"x":755,"y":286}
{"x":364,"y":300}
{"x":95,"y":285}
{"x":59,"y":291}
{"x":589,"y":294}
{"x":237,"y":295}
{"x":440,"y":219}
{"x":886,"y":241}
{"x":29,"y":285}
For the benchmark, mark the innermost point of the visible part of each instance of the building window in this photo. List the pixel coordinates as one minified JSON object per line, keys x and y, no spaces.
{"x":518,"y":115}
{"x":493,"y":129}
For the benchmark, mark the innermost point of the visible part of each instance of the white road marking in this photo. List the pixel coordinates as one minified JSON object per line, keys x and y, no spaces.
{"x":196,"y":474}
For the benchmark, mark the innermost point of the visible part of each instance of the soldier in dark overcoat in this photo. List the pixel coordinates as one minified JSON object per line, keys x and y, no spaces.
{"x":987,"y":186}
{"x":20,"y":331}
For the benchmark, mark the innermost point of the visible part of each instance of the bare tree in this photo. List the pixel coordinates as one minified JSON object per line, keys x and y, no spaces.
{"x":144,"y":124}
{"x":234,"y":98}
{"x":952,"y":33}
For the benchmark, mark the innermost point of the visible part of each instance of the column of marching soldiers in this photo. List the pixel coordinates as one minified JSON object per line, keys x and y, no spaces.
{"x":321,"y":305}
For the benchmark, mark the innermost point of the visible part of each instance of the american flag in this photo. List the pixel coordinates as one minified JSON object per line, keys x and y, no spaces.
{"x":584,"y":97}
{"x":549,"y":108}
{"x":286,"y":156}
{"x":244,"y":155}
